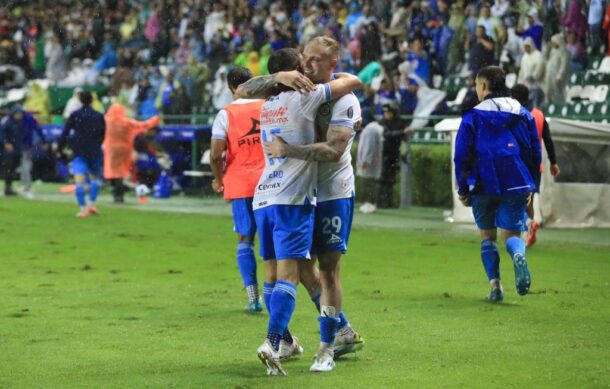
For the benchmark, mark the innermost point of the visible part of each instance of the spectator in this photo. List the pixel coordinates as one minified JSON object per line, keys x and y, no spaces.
{"x":532,"y":63}
{"x":534,"y":29}
{"x":574,"y":20}
{"x":371,"y":44}
{"x":165,"y":94}
{"x":369,"y":162}
{"x":393,"y":133}
{"x":606,"y":26}
{"x":457,"y":21}
{"x":557,"y":70}
{"x":596,"y":13}
{"x":578,"y":58}
{"x":118,"y":146}
{"x":481,"y":51}
{"x":419,"y":59}
{"x":56,"y":60}
{"x":17,"y":138}
{"x":489,"y":22}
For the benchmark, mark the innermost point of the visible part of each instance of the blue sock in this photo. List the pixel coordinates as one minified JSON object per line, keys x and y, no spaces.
{"x":80,"y":195}
{"x":342,"y":318}
{"x":283,"y":301}
{"x":490,"y":258}
{"x":94,"y":189}
{"x":328,"y":328}
{"x":267,"y":290}
{"x":515,"y":245}
{"x":246,"y":263}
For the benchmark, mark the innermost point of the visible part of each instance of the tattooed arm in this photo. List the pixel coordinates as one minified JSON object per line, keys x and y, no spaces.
{"x":261,"y":87}
{"x":330,"y":151}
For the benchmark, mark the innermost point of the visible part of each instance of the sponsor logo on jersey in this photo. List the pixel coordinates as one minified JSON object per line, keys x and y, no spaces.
{"x":324,"y":109}
{"x":275,"y":185}
{"x":252,"y":137}
{"x":334,"y":239}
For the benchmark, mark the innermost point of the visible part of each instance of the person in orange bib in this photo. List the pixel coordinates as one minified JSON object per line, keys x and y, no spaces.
{"x":118,"y":145}
{"x":520,"y":93}
{"x":236,"y":133}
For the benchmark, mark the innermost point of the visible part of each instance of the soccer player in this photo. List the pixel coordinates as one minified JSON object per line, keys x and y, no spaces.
{"x":334,"y":124}
{"x":520,"y":93}
{"x":497,"y":164}
{"x":87,"y":129}
{"x":236,"y":132}
{"x":284,"y":199}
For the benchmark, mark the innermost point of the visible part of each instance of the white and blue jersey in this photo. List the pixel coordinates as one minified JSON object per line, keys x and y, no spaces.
{"x":336,"y":187}
{"x":284,"y":198}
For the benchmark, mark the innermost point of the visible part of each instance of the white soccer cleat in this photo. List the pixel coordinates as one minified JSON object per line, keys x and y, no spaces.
{"x":288,"y":350}
{"x":323,"y":362}
{"x":347,"y":341}
{"x":270,"y":358}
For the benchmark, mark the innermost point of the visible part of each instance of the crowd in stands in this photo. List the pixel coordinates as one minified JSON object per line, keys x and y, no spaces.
{"x":171,"y":57}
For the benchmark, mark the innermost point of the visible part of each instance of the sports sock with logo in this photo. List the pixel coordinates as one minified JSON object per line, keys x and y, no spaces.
{"x":490,"y":258}
{"x":514,"y":246}
{"x":315,"y":297}
{"x":246,"y":262}
{"x":80,"y":195}
{"x":283,"y":301}
{"x":329,"y":321}
{"x":94,"y":189}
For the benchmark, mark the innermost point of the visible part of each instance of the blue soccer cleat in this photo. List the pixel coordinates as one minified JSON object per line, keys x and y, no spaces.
{"x":254,"y":307}
{"x":496,"y":295}
{"x":522,"y":275}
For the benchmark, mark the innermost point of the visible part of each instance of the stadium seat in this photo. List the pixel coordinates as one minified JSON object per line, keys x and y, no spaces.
{"x":567,"y":110}
{"x":601,"y":93}
{"x":578,"y":109}
{"x":576,"y":78}
{"x":588,"y":92}
{"x":604,"y":109}
{"x":552,"y":109}
{"x":604,"y":66}
{"x":459,"y":98}
{"x":573,"y":92}
{"x":595,"y":62}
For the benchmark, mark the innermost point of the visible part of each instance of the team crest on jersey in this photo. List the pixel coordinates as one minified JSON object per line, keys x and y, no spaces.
{"x":325,"y":109}
{"x":334,"y":239}
{"x":350,"y":112}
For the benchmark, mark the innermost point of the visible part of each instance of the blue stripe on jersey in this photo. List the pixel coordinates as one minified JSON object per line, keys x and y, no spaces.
{"x":327,"y":91}
{"x":344,"y":123}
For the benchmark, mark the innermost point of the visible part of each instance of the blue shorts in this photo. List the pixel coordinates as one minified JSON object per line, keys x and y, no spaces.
{"x":285,"y":231}
{"x":333,"y":224}
{"x":505,"y":211}
{"x":243,"y":217}
{"x":87,"y":165}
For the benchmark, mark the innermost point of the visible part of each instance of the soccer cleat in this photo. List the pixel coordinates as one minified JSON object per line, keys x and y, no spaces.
{"x":323,"y":362}
{"x":83,"y":213}
{"x":92,"y":210}
{"x":496,"y":295}
{"x":289,"y":350}
{"x":522,"y":275}
{"x":347,"y":341}
{"x":270,"y":358}
{"x":531,"y":234}
{"x":254,"y":307}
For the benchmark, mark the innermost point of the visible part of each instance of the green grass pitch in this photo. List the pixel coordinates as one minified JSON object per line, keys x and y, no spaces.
{"x":153,"y":299}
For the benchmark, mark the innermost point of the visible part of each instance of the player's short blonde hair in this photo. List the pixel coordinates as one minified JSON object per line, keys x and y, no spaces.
{"x":331,"y":46}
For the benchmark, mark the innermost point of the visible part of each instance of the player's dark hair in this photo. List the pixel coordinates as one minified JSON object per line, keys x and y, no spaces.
{"x":284,"y":60}
{"x":85,"y":97}
{"x":496,"y":79}
{"x":521,"y":93}
{"x":238,"y":76}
